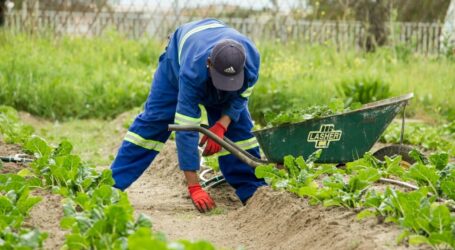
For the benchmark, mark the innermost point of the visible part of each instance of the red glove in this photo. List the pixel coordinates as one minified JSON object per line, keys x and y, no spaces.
{"x":213,"y":147}
{"x":201,"y":199}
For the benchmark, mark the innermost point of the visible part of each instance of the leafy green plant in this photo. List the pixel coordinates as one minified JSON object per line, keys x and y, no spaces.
{"x":363,"y":90}
{"x":428,"y":137}
{"x":98,"y":215}
{"x":296,"y":114}
{"x":105,"y":221}
{"x":15,"y":205}
{"x":63,"y":171}
{"x":424,"y":219}
{"x":10,"y":128}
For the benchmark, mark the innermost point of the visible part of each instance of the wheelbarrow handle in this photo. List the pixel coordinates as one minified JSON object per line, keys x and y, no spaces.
{"x":225,"y":143}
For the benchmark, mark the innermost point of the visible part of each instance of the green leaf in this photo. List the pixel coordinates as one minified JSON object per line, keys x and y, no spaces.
{"x":25,"y":172}
{"x":355,"y":105}
{"x":118,"y":218}
{"x":403,"y":236}
{"x":394,"y":166}
{"x":33,"y":239}
{"x":308,"y":191}
{"x":290,"y":165}
{"x":200,"y":245}
{"x":439,"y":160}
{"x":5,"y":204}
{"x":314,"y":156}
{"x":103,"y":195}
{"x":331,"y":203}
{"x":417,"y":156}
{"x":336,"y":105}
{"x":106,"y":178}
{"x":448,"y":188}
{"x":440,"y":217}
{"x":270,"y":173}
{"x":76,"y":241}
{"x":369,"y":175}
{"x":366,"y":214}
{"x":437,"y":238}
{"x":142,"y":239}
{"x":67,"y":222}
{"x":25,"y":203}
{"x":424,"y":175}
{"x":38,"y":146}
{"x":143,"y":221}
{"x":83,"y":200}
{"x":64,"y":148}
{"x":418,"y":240}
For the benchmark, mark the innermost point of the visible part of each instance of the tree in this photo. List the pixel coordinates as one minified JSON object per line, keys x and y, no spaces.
{"x":407,"y":10}
{"x":448,"y":35}
{"x":374,"y":15}
{"x":2,"y":12}
{"x":421,"y":11}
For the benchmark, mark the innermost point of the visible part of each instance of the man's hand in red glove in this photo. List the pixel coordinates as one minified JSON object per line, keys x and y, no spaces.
{"x":201,"y":199}
{"x":212,"y":147}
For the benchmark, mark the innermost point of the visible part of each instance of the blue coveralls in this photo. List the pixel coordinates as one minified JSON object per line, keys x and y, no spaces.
{"x":182,"y":82}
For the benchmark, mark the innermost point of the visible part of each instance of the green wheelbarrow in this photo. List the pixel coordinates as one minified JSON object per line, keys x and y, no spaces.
{"x":342,"y":137}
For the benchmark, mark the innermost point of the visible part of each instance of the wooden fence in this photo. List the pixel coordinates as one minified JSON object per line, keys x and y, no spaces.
{"x":423,"y":38}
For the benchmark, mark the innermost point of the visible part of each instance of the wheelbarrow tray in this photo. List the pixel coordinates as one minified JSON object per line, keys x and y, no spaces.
{"x":343,"y":137}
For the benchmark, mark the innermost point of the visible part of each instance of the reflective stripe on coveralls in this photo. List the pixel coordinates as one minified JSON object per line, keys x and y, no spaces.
{"x":142,"y":142}
{"x":186,"y":120}
{"x":247,"y":92}
{"x":245,"y":145}
{"x":195,"y":30}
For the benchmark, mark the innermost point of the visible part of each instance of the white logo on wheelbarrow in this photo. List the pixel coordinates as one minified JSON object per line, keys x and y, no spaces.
{"x":324,"y":136}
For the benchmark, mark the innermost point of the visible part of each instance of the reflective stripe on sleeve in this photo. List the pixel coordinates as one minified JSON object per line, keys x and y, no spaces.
{"x":186,"y":120}
{"x":193,"y":31}
{"x":142,"y":142}
{"x":247,"y":92}
{"x":245,"y":145}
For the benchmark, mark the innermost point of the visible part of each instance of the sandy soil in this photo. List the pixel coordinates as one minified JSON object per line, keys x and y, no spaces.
{"x":270,"y":220}
{"x":46,"y":216}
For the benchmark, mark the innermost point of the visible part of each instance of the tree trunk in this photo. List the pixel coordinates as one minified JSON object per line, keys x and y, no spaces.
{"x":448,"y":31}
{"x":374,"y":16}
{"x":2,"y":12}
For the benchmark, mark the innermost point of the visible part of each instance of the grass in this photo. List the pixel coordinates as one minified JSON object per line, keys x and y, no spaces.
{"x":95,"y":140}
{"x":75,"y":77}
{"x":72,"y":78}
{"x":300,"y":76}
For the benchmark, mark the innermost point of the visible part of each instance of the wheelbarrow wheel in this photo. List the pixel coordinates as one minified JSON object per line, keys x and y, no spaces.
{"x":396,"y":150}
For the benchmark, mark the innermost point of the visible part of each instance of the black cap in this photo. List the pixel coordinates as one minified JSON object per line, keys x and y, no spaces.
{"x":228,"y":60}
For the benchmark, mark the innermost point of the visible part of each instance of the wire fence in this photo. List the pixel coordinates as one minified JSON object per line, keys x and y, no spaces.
{"x":261,"y":20}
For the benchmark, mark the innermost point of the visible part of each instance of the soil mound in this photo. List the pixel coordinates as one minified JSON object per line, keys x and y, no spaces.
{"x":166,"y":166}
{"x":270,"y":220}
{"x":280,"y":220}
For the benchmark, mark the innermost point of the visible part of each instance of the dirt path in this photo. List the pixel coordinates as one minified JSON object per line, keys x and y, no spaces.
{"x":271,"y":219}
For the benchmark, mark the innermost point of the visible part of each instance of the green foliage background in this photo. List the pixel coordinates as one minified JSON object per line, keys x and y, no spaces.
{"x":75,"y":77}
{"x":105,"y":76}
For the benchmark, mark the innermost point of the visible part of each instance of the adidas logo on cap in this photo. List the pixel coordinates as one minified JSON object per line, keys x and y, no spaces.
{"x":230,"y":70}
